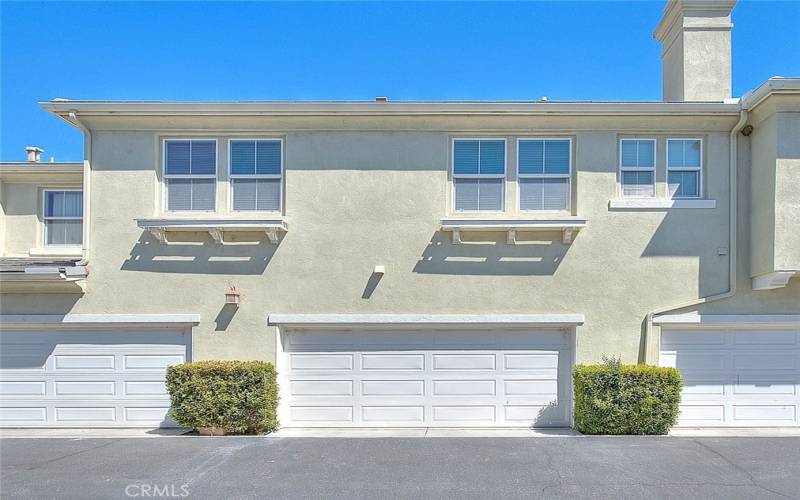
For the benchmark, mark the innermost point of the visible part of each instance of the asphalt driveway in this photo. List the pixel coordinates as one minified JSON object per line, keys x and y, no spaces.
{"x":378,"y":468}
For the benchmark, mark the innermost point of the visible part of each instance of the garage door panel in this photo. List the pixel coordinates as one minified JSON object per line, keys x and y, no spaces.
{"x":145,"y":388}
{"x":393,"y":414}
{"x":464,"y":388}
{"x":463,"y":362}
{"x":391,"y":362}
{"x":311,"y":414}
{"x":306,"y":362}
{"x":444,"y":383}
{"x":757,"y":339}
{"x":756,"y":386}
{"x":756,"y":360}
{"x":465,"y":413}
{"x":22,"y":415}
{"x":764,"y":413}
{"x":84,"y":379}
{"x":16,"y":388}
{"x":687,"y":338}
{"x":393,"y":387}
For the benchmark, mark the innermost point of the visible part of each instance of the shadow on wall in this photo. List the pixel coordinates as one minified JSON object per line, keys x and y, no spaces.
{"x":198,"y":253}
{"x":687,"y":233}
{"x":488,"y":254}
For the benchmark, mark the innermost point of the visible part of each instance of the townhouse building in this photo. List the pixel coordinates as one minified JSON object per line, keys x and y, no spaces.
{"x":432,"y":263}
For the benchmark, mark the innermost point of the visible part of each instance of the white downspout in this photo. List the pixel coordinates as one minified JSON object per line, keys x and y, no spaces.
{"x":733,"y":220}
{"x":87,"y":161}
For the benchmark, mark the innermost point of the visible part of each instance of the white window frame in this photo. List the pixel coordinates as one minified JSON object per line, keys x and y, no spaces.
{"x":232,"y":177}
{"x":698,"y":169}
{"x":567,"y":176}
{"x":455,"y":176}
{"x":652,"y":170}
{"x":46,"y":218}
{"x":165,"y":176}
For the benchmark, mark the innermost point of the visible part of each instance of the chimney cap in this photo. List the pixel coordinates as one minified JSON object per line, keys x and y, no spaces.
{"x":34,"y":153}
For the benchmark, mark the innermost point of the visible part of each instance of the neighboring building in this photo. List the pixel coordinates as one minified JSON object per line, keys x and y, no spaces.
{"x":426,"y":263}
{"x":41,"y":227}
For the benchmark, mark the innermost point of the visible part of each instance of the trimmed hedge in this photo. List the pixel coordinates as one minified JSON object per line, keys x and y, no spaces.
{"x":612,"y":398}
{"x":238,"y":396}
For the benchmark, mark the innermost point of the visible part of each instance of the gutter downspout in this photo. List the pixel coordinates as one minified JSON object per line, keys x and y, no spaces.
{"x":87,"y":161}
{"x":733,"y":221}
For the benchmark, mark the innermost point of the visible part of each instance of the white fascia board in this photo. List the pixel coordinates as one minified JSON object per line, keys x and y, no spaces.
{"x":62,"y":108}
{"x":729,"y":320}
{"x":774,"y":85}
{"x":461,"y":320}
{"x":96,"y":320}
{"x":640,"y":204}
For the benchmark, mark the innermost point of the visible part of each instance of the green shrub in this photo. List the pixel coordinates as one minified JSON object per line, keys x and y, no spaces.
{"x":238,"y":396}
{"x":612,"y":398}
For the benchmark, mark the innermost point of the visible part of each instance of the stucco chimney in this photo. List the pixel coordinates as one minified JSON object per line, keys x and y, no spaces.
{"x":695,"y":37}
{"x":34,"y":153}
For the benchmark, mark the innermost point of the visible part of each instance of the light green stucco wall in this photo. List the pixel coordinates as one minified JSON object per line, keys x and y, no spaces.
{"x":21,"y":220}
{"x":775,"y":194}
{"x":362,"y":195}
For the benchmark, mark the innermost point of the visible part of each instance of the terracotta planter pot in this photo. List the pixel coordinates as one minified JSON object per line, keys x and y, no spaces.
{"x":211,"y":431}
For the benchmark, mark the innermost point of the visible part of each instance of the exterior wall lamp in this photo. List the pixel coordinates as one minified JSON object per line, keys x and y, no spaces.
{"x":232,"y":296}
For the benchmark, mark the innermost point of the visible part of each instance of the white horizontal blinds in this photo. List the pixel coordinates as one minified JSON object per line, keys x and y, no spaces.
{"x":479,"y":174}
{"x":256,"y":174}
{"x":544,"y":169}
{"x":638,"y":167}
{"x":63,"y":217}
{"x":190,"y":173}
{"x":684,"y":167}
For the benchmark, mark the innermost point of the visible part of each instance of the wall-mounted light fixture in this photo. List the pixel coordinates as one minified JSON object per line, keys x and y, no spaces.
{"x":232,"y":296}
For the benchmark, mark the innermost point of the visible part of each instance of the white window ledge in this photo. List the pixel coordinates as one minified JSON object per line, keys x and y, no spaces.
{"x":460,"y":320}
{"x":216,"y":228}
{"x":56,"y":251}
{"x":568,"y":227}
{"x":639,"y":204}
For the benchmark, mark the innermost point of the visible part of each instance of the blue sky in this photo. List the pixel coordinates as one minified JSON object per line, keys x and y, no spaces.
{"x":202,"y":51}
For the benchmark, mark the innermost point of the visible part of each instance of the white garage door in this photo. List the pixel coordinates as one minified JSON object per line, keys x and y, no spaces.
{"x":87,"y":378}
{"x":497,"y":378}
{"x":736,"y":378}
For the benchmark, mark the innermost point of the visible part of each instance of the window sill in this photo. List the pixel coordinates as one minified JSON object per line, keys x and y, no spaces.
{"x":642,"y":204}
{"x":568,"y":226}
{"x":56,"y":251}
{"x":216,"y":228}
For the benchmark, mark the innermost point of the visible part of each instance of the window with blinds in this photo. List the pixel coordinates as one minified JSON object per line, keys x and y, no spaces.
{"x":544,"y":169}
{"x":684,"y":167}
{"x":256,"y":171}
{"x":479,"y":171}
{"x":190,"y":174}
{"x":63,"y":217}
{"x":638,"y":167}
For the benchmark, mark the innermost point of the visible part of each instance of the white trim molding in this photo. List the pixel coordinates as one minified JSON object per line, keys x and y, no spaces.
{"x":97,"y":320}
{"x":729,"y":320}
{"x":214,"y":227}
{"x":771,"y":281}
{"x":422,"y":320}
{"x":643,"y":204}
{"x":568,"y":227}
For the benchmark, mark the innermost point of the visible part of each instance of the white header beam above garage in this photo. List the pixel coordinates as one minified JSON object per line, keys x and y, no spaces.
{"x":18,"y":321}
{"x":730,"y":320}
{"x":422,"y":320}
